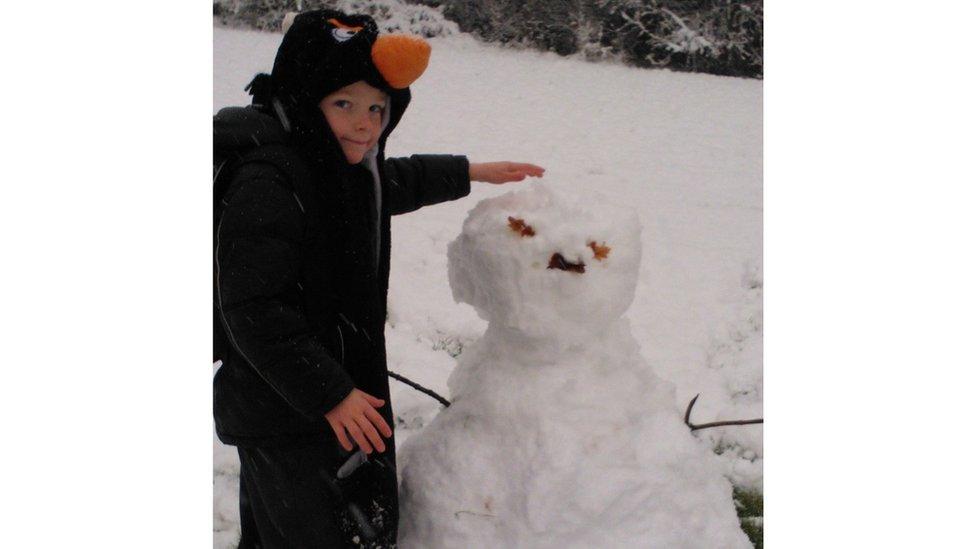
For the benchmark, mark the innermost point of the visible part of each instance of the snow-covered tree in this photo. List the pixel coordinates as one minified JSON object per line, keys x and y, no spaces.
{"x":715,"y":36}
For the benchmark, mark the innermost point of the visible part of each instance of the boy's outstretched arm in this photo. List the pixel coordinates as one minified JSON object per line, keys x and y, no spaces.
{"x":426,"y":179}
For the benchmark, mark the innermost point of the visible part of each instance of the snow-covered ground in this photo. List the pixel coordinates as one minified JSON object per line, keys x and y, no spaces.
{"x":685,"y":150}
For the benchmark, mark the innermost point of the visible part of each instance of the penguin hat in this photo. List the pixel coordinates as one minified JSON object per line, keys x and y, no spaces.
{"x":324,"y":50}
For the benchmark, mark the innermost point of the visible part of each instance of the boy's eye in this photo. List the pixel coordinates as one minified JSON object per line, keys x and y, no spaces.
{"x":341,"y":103}
{"x":377,"y":108}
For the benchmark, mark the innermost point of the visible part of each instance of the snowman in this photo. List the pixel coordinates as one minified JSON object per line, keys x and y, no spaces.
{"x":559,"y":433}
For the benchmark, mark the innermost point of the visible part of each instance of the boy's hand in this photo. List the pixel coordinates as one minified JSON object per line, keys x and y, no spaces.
{"x":356,"y":415}
{"x":503,"y":172}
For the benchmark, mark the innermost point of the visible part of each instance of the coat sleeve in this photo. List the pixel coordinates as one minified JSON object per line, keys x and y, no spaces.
{"x":257,"y":271}
{"x":425,"y":179}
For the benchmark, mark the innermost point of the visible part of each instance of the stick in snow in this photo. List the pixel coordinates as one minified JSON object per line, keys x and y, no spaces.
{"x":714,"y":423}
{"x":420,"y":388}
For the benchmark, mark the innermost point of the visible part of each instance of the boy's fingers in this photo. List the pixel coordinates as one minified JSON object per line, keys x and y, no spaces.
{"x":371,"y":434}
{"x":344,"y":440}
{"x":523,"y":173}
{"x":357,"y":435}
{"x":373,"y":401}
{"x":379,"y":422}
{"x":531,"y":169}
{"x":341,"y":435}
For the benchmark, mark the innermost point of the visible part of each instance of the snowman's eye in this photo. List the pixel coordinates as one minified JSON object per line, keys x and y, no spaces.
{"x":600,"y":251}
{"x":520,"y":227}
{"x":342,"y":35}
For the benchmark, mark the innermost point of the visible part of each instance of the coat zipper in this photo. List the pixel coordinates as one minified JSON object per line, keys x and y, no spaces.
{"x":342,"y":346}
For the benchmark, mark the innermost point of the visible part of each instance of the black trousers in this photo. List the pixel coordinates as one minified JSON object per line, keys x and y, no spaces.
{"x":289,"y":499}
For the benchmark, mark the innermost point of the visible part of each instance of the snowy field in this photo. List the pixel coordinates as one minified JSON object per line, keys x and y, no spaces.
{"x":685,"y":150}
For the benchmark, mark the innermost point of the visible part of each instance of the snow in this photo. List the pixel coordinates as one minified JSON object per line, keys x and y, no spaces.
{"x":684,"y":150}
{"x":559,"y":434}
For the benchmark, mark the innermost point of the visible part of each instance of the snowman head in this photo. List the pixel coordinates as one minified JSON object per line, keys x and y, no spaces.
{"x":547,"y":264}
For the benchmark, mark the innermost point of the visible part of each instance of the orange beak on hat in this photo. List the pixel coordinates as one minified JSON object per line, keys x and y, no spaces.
{"x":400,"y":58}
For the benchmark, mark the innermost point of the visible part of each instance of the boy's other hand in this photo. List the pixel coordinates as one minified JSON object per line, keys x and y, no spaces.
{"x":503,"y":172}
{"x":357,"y":416}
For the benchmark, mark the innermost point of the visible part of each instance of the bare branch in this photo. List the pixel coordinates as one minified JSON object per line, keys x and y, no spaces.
{"x":695,"y":427}
{"x":644,"y":30}
{"x":429,"y":392}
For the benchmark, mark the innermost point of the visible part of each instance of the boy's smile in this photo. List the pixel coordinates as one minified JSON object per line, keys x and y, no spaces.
{"x":355,"y":114}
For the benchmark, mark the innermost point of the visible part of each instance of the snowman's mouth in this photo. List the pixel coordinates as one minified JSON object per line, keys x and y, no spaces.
{"x":557,"y":261}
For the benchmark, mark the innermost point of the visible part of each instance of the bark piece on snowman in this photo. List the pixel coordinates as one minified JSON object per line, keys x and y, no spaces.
{"x":520,"y":227}
{"x":557,"y":261}
{"x":600,"y":251}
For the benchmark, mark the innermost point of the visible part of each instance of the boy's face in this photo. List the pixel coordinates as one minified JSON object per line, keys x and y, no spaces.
{"x":355,"y":114}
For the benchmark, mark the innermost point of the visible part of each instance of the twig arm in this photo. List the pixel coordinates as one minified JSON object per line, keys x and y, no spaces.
{"x":695,"y":427}
{"x":421,"y":388}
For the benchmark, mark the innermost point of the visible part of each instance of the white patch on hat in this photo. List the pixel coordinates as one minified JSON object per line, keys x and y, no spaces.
{"x":341,"y":35}
{"x":287,"y":21}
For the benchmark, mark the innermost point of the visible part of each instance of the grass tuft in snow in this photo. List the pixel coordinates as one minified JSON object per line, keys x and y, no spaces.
{"x":451,"y":344}
{"x":749,"y":507}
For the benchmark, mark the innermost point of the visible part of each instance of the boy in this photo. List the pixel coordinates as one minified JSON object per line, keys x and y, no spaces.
{"x":302,"y":258}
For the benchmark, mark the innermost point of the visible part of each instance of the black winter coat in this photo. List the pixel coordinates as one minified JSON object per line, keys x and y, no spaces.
{"x":302,"y":297}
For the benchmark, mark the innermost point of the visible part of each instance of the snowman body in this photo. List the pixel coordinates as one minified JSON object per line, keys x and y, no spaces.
{"x":559,"y":433}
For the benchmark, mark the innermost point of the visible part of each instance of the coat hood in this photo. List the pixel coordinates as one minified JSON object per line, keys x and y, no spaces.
{"x":238,"y":129}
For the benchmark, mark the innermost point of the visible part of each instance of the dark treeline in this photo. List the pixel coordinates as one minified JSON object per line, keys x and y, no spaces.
{"x":713,"y":36}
